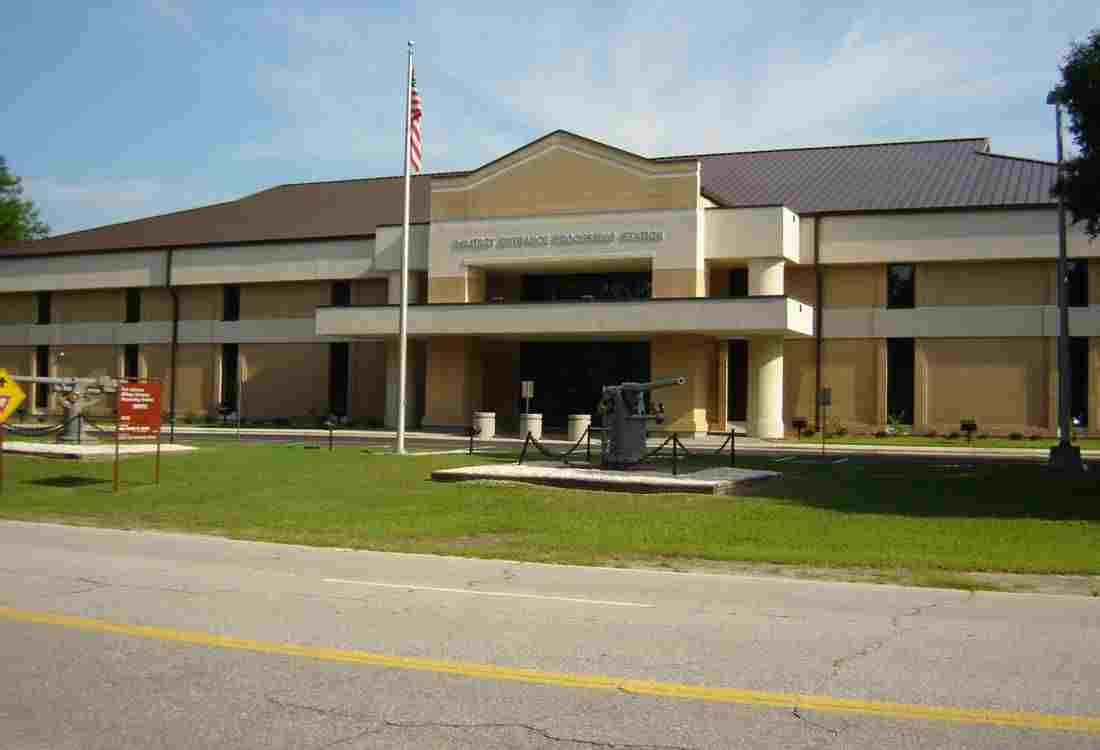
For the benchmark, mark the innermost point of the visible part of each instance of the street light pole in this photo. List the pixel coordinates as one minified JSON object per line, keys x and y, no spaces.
{"x":1065,"y":456}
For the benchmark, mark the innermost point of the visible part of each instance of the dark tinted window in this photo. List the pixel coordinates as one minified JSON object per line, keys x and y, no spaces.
{"x":231,"y":304}
{"x":133,"y":305}
{"x":900,"y":285}
{"x":899,"y":379}
{"x":341,"y":293}
{"x":229,"y":376}
{"x":577,"y":286}
{"x":45,"y":312}
{"x":739,"y":282}
{"x":42,"y":370}
{"x":1077,"y":283}
{"x":338,"y":379}
{"x":130,"y":364}
{"x":1079,"y":381}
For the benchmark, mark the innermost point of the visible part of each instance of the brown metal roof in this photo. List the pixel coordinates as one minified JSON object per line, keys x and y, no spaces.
{"x":919,"y":175}
{"x":314,"y":210}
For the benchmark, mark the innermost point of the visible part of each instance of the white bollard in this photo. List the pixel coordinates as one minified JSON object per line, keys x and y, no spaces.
{"x":485,"y":422}
{"x":530,"y":423}
{"x":578,"y":423}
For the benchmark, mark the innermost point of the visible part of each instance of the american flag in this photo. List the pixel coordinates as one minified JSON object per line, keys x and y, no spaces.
{"x":415,"y":113}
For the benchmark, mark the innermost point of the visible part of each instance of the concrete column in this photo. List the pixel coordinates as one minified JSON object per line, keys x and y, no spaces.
{"x":721,"y":382}
{"x":766,"y":276}
{"x":766,"y":384}
{"x":453,"y":381}
{"x":882,"y":384}
{"x":1094,"y":385}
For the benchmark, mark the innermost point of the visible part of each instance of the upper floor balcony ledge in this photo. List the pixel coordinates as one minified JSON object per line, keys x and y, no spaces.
{"x":717,"y":317}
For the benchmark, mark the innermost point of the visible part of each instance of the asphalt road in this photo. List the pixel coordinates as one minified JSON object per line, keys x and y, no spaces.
{"x":115,"y":639}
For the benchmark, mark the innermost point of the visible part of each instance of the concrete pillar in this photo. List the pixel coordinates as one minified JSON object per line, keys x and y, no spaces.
{"x":766,"y":386}
{"x":721,"y":384}
{"x":882,"y":378}
{"x":1094,"y":385}
{"x":766,"y":276}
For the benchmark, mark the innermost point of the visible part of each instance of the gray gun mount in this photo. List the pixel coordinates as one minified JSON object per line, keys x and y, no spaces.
{"x":626,"y":420}
{"x":76,"y":393}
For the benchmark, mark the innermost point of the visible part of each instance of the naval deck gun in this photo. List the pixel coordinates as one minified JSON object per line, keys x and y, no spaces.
{"x":626,"y":419}
{"x":76,"y":393}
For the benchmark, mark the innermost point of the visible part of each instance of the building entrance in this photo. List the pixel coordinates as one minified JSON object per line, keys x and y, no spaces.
{"x":569,"y":375}
{"x":738,"y":382}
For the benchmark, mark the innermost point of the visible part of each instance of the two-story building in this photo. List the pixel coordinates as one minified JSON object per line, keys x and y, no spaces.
{"x":915,"y":280}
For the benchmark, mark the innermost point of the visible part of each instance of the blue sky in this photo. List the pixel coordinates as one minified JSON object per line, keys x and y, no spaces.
{"x":114,"y":111}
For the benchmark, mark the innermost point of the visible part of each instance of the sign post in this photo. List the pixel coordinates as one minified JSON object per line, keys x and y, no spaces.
{"x":528,"y":392}
{"x":824,"y":400}
{"x":11,"y":397}
{"x":138,"y":417}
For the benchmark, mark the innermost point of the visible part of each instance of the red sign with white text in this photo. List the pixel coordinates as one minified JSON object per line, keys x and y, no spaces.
{"x":138,"y":410}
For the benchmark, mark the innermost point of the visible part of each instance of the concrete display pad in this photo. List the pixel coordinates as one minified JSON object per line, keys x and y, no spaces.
{"x":90,"y":450}
{"x":714,"y":481}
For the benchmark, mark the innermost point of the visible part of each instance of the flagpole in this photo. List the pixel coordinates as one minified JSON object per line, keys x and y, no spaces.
{"x":403,"y":332}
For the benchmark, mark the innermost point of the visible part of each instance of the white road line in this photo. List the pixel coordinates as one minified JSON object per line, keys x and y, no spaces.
{"x":411,"y":587}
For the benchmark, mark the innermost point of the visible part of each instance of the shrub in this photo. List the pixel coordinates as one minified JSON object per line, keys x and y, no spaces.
{"x":983,"y":436}
{"x":953,"y":436}
{"x":882,"y":434}
{"x":1034,"y":437}
{"x":1016,"y":436}
{"x":809,"y":432}
{"x":932,"y":434}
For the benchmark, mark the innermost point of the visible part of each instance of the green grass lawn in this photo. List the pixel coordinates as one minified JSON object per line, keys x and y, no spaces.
{"x":941,"y":441}
{"x":883,"y":515}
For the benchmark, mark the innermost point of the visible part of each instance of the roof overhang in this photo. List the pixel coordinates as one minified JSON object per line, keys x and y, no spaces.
{"x":718,"y":318}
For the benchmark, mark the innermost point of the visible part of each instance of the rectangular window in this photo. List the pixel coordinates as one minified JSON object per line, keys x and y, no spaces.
{"x":901,"y":288}
{"x":1077,"y":283}
{"x":41,"y":370}
{"x":1079,"y":381}
{"x":338,"y":379}
{"x":231,"y":302}
{"x":341,"y":293}
{"x":739,"y":282}
{"x":130,"y":362}
{"x":45,"y":308}
{"x":899,"y":380}
{"x":133,"y":305}
{"x":230,"y":377}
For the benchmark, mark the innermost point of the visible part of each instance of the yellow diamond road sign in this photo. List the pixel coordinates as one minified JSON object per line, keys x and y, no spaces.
{"x":11,"y":396}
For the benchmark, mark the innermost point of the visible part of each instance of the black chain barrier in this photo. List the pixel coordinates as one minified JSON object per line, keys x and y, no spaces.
{"x":563,"y":457}
{"x":107,"y":431}
{"x":37,"y":431}
{"x":674,"y":438}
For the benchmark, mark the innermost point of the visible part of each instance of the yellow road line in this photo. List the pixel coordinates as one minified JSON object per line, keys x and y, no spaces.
{"x":820,"y":703}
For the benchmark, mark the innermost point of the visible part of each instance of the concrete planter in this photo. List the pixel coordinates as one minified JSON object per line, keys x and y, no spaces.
{"x":578,"y":423}
{"x":530,"y":423}
{"x":486,"y":423}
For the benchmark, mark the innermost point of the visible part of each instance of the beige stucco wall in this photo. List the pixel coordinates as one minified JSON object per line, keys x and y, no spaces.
{"x":501,"y":383}
{"x":368,"y":381}
{"x":453,"y":381}
{"x":285,"y":380}
{"x":297,"y":299}
{"x":1007,"y":283}
{"x":560,"y":177}
{"x":799,"y":380}
{"x":17,"y":308}
{"x":800,"y":282}
{"x":18,"y":360}
{"x":197,"y":365}
{"x":201,"y":302}
{"x":89,"y":306}
{"x":930,"y":236}
{"x":679,"y":282}
{"x":692,"y":357}
{"x":762,"y":231}
{"x":368,"y":292}
{"x":156,"y":304}
{"x":855,"y":286}
{"x":1002,"y":383}
{"x":1094,"y":282}
{"x":850,"y":367}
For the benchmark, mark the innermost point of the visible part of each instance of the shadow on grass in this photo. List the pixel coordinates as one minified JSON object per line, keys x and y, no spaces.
{"x":68,"y":481}
{"x":935,"y":490}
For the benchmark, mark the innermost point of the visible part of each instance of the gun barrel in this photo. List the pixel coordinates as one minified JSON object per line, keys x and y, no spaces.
{"x":651,"y":385}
